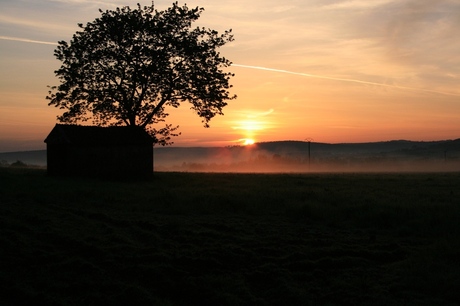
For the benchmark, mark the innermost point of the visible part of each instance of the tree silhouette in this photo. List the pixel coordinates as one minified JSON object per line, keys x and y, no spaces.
{"x":128,"y":65}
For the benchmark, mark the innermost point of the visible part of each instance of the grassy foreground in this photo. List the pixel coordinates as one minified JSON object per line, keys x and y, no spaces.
{"x":230,"y":239}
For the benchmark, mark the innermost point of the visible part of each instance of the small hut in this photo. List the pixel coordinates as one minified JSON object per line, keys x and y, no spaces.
{"x":117,"y":151}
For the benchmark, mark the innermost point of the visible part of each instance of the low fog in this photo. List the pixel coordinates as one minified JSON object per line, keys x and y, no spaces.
{"x":294,"y":157}
{"x":302,"y":157}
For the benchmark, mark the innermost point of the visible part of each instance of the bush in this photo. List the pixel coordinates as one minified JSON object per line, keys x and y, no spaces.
{"x":19,"y":164}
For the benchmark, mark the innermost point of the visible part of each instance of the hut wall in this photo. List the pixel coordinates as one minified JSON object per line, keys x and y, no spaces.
{"x":113,"y":161}
{"x":57,"y":159}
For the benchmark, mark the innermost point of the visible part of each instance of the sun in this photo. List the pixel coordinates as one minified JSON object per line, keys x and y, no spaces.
{"x":249,"y":129}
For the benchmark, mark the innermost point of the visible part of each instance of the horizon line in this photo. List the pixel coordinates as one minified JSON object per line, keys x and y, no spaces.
{"x":271,"y":141}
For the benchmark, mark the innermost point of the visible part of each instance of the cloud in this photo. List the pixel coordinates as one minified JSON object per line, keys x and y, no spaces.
{"x":357,"y":4}
{"x":346,"y":80}
{"x":25,"y":40}
{"x":262,"y":114}
{"x":91,"y":2}
{"x":419,"y":35}
{"x":33,"y":23}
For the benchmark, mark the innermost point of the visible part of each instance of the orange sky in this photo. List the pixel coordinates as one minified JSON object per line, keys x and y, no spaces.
{"x":333,"y":71}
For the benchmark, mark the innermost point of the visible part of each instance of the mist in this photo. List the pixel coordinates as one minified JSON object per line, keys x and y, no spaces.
{"x":297,"y":157}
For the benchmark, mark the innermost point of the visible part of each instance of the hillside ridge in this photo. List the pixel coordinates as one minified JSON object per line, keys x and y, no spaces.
{"x":168,"y":156}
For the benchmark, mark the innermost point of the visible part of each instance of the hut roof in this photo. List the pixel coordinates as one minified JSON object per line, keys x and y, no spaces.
{"x":96,"y":135}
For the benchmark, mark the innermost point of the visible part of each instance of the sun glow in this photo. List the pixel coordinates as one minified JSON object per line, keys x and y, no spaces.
{"x":249,"y":129}
{"x":249,"y":125}
{"x":247,"y":141}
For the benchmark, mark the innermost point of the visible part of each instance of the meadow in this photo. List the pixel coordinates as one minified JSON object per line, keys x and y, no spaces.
{"x":230,"y":239}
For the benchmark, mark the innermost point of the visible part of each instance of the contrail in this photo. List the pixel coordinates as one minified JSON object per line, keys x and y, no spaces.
{"x":28,"y":40}
{"x":345,"y":80}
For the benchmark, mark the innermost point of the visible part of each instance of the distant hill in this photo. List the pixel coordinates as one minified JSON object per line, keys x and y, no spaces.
{"x":293,"y":153}
{"x":37,"y":157}
{"x":317,"y":150}
{"x":359,"y":148}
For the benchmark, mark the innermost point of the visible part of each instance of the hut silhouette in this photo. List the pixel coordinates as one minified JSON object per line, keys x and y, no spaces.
{"x":117,"y":151}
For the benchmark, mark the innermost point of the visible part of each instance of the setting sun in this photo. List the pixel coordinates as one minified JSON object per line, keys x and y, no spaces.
{"x":248,"y":141}
{"x":248,"y":130}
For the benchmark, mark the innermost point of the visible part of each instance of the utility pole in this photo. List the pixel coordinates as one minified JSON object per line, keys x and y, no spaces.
{"x":309,"y":140}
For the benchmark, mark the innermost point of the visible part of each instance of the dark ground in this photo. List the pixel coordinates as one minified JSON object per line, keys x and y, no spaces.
{"x":230,"y":239}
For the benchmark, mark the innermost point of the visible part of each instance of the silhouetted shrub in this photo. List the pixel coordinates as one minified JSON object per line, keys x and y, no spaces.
{"x":19,"y":164}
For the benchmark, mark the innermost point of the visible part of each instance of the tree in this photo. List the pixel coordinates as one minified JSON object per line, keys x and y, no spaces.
{"x":128,"y":65}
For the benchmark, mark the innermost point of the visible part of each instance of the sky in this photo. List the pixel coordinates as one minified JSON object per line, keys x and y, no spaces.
{"x":328,"y":71}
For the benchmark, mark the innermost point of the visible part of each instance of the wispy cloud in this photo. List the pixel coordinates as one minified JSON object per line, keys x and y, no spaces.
{"x":345,"y":80}
{"x":90,"y":2}
{"x":26,"y":40}
{"x":33,"y":23}
{"x":357,"y":4}
{"x":261,"y":114}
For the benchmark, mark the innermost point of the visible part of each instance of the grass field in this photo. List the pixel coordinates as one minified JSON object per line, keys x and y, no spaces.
{"x":230,"y":239}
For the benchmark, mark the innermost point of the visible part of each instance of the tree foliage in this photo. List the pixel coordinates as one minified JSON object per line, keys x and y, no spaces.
{"x":128,"y":65}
